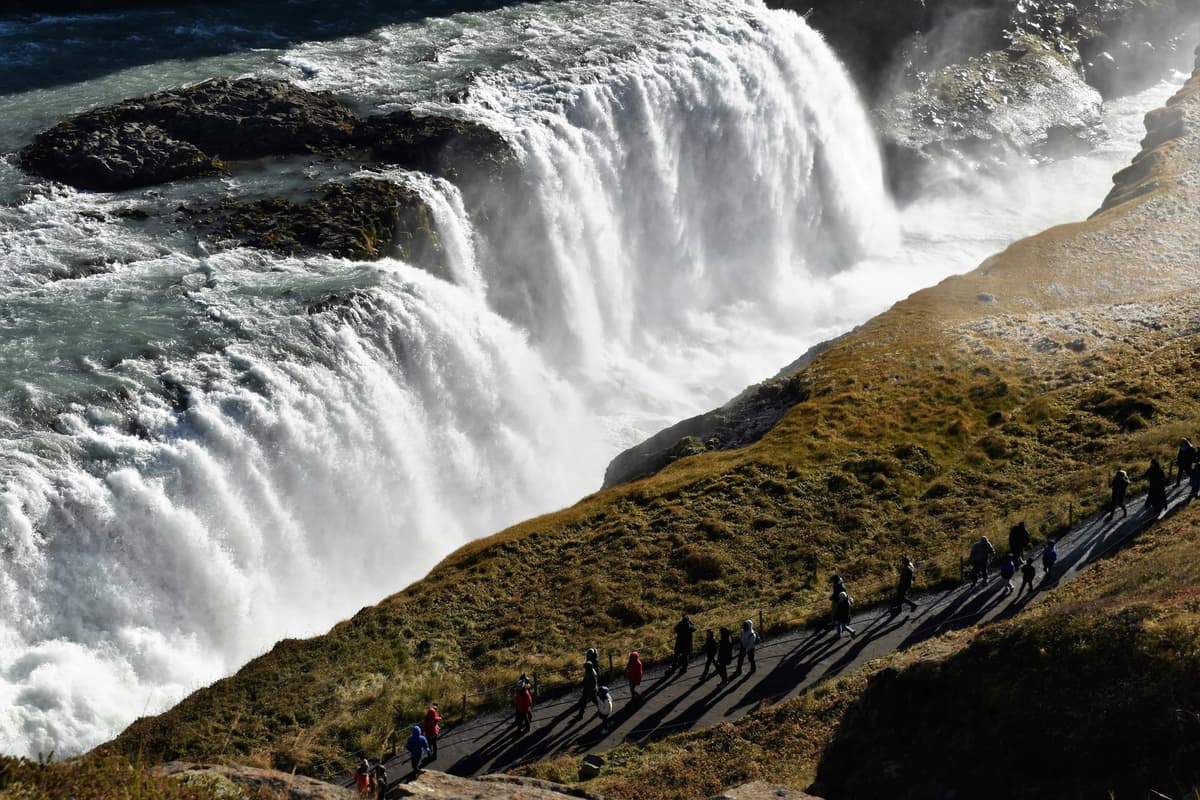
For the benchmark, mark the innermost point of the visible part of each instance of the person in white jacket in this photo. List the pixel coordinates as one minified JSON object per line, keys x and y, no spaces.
{"x":748,"y":641}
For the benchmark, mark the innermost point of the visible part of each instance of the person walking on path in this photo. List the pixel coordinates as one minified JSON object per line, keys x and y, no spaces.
{"x":432,"y":727}
{"x":634,"y":670}
{"x":1184,"y":459}
{"x":710,"y":654}
{"x":841,"y":614}
{"x":1028,"y":573}
{"x":1119,"y":485}
{"x":591,"y":682}
{"x":748,"y":641}
{"x":417,"y":747}
{"x":523,"y":703}
{"x":981,"y":553}
{"x":379,"y":779}
{"x":1049,"y":558}
{"x":684,"y":630}
{"x":1156,"y":490}
{"x":362,"y":777}
{"x":1194,"y":480}
{"x":904,"y":585}
{"x":839,"y":586}
{"x":1018,"y":539}
{"x":724,"y":655}
{"x":604,"y":704}
{"x":593,"y":658}
{"x":1008,"y":568}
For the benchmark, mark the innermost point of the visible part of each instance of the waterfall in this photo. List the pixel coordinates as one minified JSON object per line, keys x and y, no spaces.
{"x":195,"y":441}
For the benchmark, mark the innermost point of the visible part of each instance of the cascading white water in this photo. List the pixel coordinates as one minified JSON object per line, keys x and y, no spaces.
{"x":205,"y":452}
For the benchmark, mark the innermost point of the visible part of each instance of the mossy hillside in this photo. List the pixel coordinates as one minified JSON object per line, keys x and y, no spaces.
{"x":1093,"y":690}
{"x":1004,"y":394}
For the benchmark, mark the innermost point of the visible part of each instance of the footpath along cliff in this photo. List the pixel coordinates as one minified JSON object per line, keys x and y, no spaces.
{"x":1009,"y":393}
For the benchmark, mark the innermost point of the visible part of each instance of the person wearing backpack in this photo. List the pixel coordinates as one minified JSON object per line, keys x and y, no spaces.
{"x":634,"y":670}
{"x":1184,"y":459}
{"x":841,"y":614}
{"x":981,"y":553}
{"x":747,"y":642}
{"x":1049,"y":558}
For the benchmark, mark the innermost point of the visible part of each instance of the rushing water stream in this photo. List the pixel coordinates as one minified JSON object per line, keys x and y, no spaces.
{"x":194,"y":466}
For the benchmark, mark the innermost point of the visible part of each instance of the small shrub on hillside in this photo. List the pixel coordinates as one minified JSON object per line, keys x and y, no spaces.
{"x":702,"y":564}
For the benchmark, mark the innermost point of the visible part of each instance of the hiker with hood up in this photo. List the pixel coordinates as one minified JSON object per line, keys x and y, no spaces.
{"x":1119,"y":485}
{"x":724,"y":655}
{"x":634,"y":670}
{"x":432,"y":727}
{"x":684,"y":631}
{"x":417,"y":747}
{"x":747,"y":642}
{"x":1156,"y":493}
{"x":981,"y":553}
{"x":591,"y":682}
{"x":839,"y":586}
{"x":523,"y":703}
{"x":904,"y":585}
{"x":1049,"y":558}
{"x":1008,"y":568}
{"x":710,"y":654}
{"x":1018,"y":539}
{"x":1184,"y":459}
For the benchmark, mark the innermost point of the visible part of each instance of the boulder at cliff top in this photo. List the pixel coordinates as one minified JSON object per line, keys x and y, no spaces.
{"x":237,"y":781}
{"x":188,"y":132}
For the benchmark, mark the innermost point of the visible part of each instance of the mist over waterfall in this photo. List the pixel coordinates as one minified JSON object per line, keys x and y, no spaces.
{"x":206,"y":449}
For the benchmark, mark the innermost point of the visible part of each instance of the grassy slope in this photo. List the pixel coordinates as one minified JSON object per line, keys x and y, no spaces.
{"x":943,"y":417}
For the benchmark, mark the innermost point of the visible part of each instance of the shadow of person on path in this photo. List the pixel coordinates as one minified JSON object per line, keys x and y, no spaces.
{"x":645,"y":729}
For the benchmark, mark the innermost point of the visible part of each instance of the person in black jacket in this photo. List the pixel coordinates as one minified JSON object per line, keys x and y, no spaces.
{"x":1018,"y":540}
{"x":724,"y":655}
{"x":907,"y":572}
{"x":710,"y":654}
{"x":684,"y":630}
{"x":1119,"y":485}
{"x":591,"y":682}
{"x":1156,"y":490}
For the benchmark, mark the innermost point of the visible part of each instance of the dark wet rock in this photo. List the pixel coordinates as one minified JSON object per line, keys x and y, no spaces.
{"x":738,"y":423}
{"x":440,"y":145}
{"x":363,"y":218}
{"x":122,"y":155}
{"x":188,"y":132}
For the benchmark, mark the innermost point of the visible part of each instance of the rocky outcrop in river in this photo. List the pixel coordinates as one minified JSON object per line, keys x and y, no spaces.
{"x":227,"y":125}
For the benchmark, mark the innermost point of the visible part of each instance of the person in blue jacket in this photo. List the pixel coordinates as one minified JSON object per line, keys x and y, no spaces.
{"x":418,"y":747}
